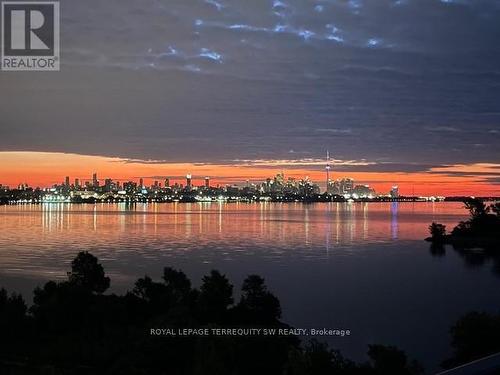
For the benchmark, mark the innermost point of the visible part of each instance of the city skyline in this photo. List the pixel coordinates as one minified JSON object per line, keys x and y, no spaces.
{"x":52,"y":167}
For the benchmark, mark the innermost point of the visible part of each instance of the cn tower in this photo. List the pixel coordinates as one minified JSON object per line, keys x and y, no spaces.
{"x":327,"y":168}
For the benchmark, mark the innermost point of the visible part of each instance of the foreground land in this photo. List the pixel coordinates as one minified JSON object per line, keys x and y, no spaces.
{"x":481,"y":230}
{"x":73,"y":327}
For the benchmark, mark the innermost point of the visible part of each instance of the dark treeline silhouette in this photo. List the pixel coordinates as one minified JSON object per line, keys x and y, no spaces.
{"x":475,"y":336}
{"x":480,"y":231}
{"x":73,"y":328}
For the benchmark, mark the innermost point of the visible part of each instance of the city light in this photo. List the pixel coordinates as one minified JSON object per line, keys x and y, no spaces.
{"x":274,"y":189}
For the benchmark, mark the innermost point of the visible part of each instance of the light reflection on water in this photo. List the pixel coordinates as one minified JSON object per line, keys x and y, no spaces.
{"x":36,"y":239}
{"x":361,"y":266}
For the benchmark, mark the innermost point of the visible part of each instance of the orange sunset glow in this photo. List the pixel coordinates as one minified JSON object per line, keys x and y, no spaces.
{"x":41,"y":169}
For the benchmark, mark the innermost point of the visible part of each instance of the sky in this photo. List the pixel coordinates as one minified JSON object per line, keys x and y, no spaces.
{"x":400,"y":92}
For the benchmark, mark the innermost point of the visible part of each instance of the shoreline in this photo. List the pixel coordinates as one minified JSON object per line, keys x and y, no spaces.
{"x":225,"y":201}
{"x":466,"y":242}
{"x":248,"y":201}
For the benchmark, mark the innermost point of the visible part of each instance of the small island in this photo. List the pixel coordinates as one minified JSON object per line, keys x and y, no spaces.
{"x":481,"y":230}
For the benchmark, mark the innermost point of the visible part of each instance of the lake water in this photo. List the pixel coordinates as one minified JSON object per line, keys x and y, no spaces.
{"x":361,"y":266}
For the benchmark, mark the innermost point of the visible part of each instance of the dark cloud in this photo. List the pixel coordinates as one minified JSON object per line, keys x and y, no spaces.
{"x":345,"y":167}
{"x":410,"y":82}
{"x":464,"y":173}
{"x":390,"y":167}
{"x":493,"y":180}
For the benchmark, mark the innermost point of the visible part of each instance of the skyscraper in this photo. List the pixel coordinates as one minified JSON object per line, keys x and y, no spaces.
{"x":108,"y":184}
{"x":141,"y":183}
{"x":207,"y":182}
{"x":95,"y":181}
{"x":347,"y":185}
{"x":77,"y":183}
{"x":167,"y":182}
{"x":188,"y":181}
{"x":327,"y":168}
{"x":394,"y":191}
{"x":66,"y":182}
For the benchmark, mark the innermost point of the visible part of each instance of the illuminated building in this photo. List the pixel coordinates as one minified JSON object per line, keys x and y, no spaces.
{"x":108,"y":184}
{"x":130,"y":187}
{"x":279,"y":179}
{"x":363,"y":191}
{"x":327,"y":168}
{"x":394,"y":193}
{"x":207,"y":182}
{"x":347,"y":185}
{"x":307,"y":188}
